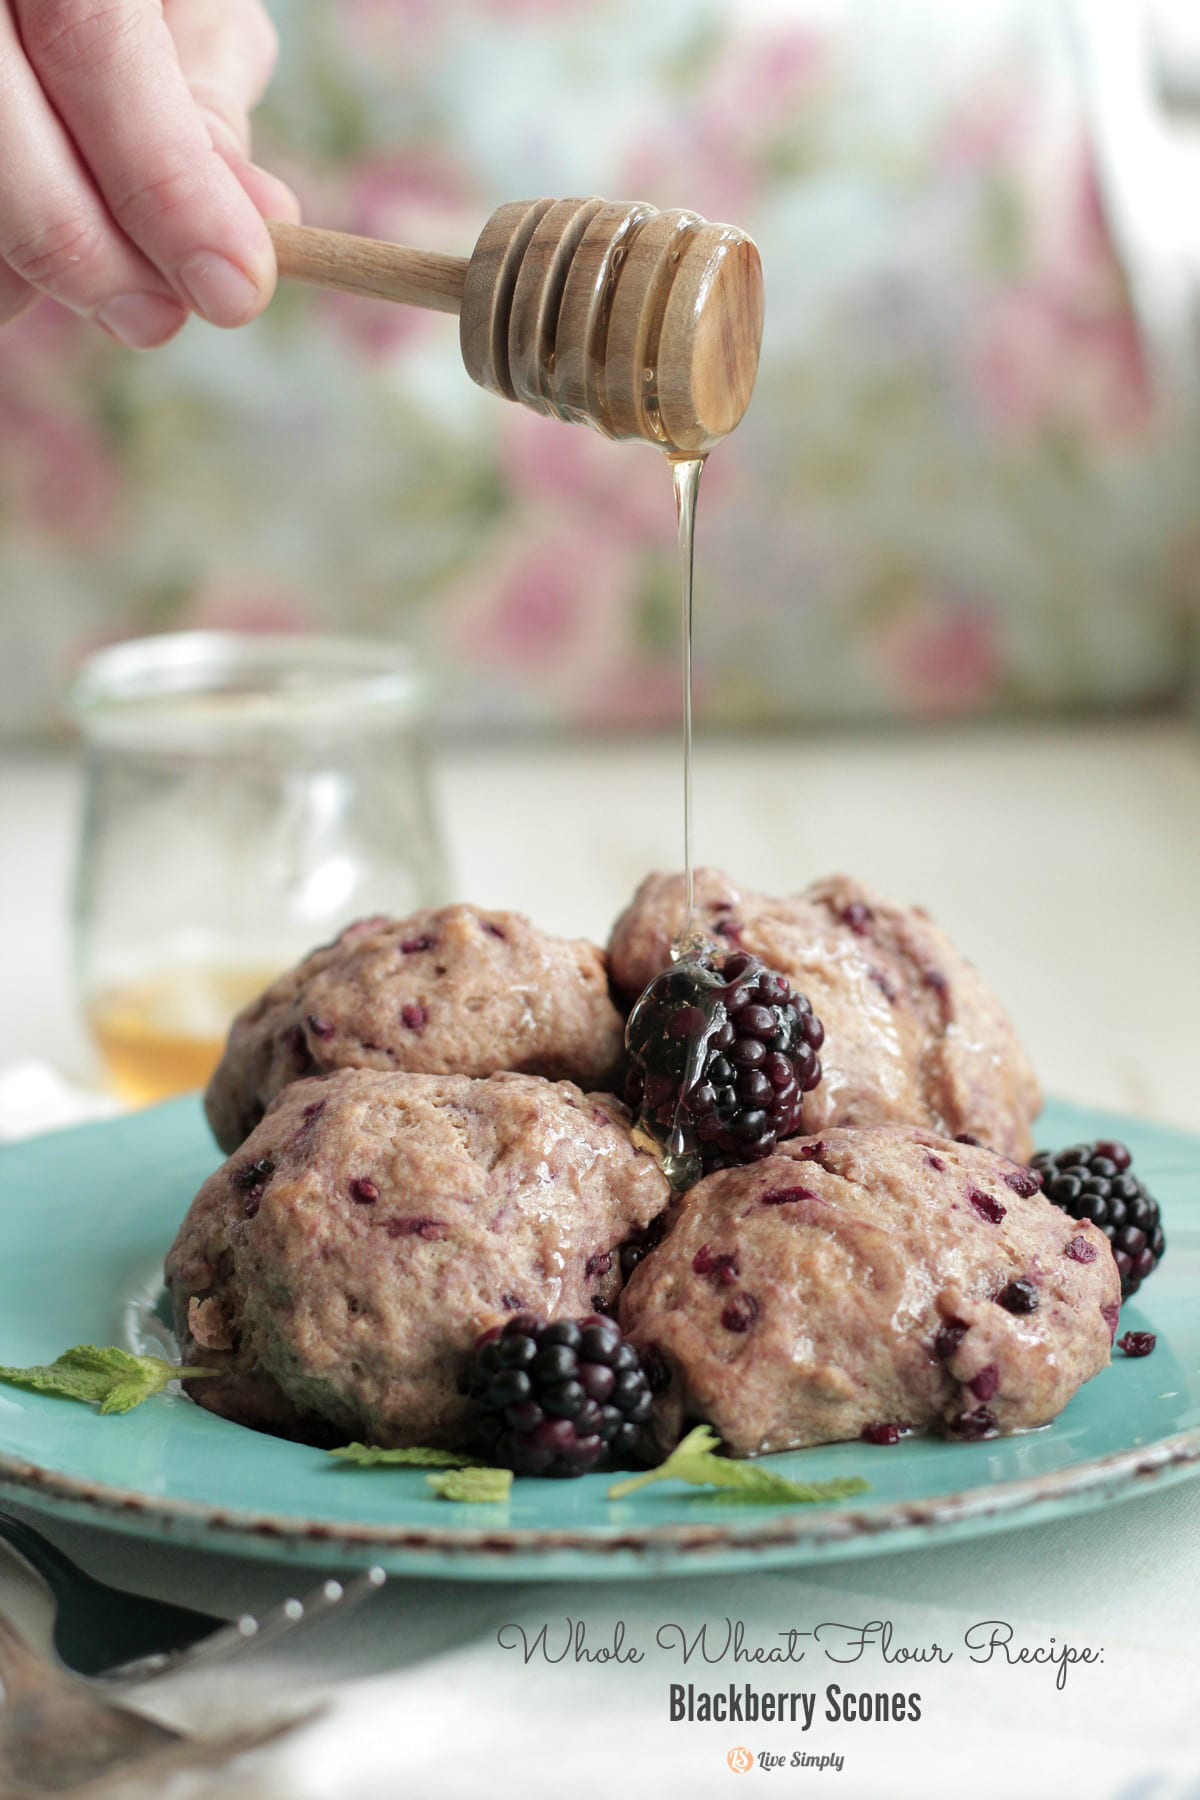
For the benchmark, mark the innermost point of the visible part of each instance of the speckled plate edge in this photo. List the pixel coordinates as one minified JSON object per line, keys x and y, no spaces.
{"x":644,"y":1549}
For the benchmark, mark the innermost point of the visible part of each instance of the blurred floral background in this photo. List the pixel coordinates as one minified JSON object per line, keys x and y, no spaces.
{"x":962,"y":486}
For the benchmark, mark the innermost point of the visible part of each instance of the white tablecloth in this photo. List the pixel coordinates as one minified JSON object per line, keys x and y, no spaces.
{"x":1067,"y":864}
{"x":424,"y":1703}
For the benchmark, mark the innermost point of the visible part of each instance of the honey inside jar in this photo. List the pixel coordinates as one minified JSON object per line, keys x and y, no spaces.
{"x":162,"y":1034}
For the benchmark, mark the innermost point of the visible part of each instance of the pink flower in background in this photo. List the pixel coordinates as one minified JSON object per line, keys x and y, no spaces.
{"x":1073,"y":245}
{"x":375,"y":328}
{"x":65,"y":478}
{"x":393,"y":24}
{"x":713,"y":148}
{"x":941,"y":658}
{"x":989,"y":124}
{"x":1063,"y":349}
{"x":679,"y":160}
{"x":245,"y":603}
{"x":639,"y":697}
{"x":1037,"y":364}
{"x":397,"y":28}
{"x":628,"y":486}
{"x":762,"y":81}
{"x":538,"y":9}
{"x":421,"y":199}
{"x":552,"y":607}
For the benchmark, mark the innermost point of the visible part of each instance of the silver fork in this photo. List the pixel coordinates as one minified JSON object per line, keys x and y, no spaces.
{"x":59,"y":1735}
{"x":92,"y":1618}
{"x":332,"y":1596}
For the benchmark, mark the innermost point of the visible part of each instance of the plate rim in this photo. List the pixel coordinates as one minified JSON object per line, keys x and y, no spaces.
{"x":1123,"y":1473}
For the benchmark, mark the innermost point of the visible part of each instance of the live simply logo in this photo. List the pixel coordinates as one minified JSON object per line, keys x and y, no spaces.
{"x":742,"y":1761}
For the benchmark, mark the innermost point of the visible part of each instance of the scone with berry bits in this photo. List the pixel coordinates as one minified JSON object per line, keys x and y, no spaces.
{"x":459,"y":991}
{"x":868,"y":1283}
{"x":339,"y":1268}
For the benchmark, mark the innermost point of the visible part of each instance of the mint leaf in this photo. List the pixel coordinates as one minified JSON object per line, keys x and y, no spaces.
{"x":115,"y":1380}
{"x":370,"y":1456}
{"x":799,"y":1493}
{"x":473,"y":1486}
{"x":694,"y":1461}
{"x":128,"y":1394}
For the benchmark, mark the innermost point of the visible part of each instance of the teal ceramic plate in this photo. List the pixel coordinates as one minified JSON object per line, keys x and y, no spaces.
{"x":86,"y":1215}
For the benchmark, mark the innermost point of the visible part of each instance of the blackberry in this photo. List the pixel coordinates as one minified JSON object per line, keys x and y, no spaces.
{"x":558,"y":1399}
{"x":1095,"y":1181}
{"x":723,"y":1051}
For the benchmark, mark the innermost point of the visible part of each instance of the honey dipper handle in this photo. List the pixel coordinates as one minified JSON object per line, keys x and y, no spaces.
{"x":358,"y":265}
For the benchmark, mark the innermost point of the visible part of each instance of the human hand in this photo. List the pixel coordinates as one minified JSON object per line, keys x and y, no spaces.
{"x":126,"y":190}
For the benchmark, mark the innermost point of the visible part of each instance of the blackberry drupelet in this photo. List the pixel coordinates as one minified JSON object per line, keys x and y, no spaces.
{"x":1095,"y":1181}
{"x":558,"y":1399}
{"x":723,"y":1051}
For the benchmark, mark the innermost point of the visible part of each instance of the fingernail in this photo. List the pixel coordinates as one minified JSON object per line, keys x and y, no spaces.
{"x":221,"y":293}
{"x":142,"y":321}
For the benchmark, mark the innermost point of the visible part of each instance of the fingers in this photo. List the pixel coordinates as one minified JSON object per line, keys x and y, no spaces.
{"x":56,"y":234}
{"x":273,"y":198}
{"x":111,"y":72}
{"x":227,"y":51}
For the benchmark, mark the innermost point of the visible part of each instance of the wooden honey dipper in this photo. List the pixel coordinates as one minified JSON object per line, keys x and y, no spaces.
{"x":645,"y":324}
